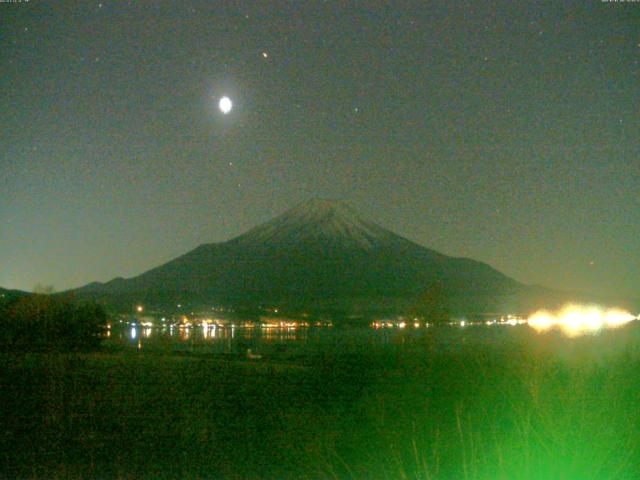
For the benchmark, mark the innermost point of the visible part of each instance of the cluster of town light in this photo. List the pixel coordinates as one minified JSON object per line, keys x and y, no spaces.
{"x":185,"y":323}
{"x":575,"y":320}
{"x":416,"y":323}
{"x":571,"y":320}
{"x":397,"y":323}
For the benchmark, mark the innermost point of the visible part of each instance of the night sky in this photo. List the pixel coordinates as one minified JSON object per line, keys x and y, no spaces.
{"x":508,"y":132}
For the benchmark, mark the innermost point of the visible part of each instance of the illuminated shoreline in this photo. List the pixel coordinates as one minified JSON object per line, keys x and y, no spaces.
{"x":573,"y":320}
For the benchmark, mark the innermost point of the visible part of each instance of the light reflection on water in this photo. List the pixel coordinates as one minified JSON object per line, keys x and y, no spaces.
{"x":301,"y":341}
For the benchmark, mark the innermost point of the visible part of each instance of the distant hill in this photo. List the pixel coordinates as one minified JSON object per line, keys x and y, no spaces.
{"x":320,"y":255}
{"x":6,"y":294}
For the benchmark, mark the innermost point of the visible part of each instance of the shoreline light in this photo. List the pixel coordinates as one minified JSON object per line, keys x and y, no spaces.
{"x":574,"y":320}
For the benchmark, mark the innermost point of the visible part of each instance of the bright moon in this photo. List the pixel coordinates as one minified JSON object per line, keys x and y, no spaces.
{"x":225,"y":105}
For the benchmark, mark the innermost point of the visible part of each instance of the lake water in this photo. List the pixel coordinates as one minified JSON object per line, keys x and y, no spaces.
{"x":306,"y":341}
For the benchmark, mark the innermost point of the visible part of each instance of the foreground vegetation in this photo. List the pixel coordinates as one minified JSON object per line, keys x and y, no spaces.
{"x":50,"y":323}
{"x":508,"y":412}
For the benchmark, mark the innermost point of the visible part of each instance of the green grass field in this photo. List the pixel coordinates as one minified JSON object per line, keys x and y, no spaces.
{"x":392,"y":412}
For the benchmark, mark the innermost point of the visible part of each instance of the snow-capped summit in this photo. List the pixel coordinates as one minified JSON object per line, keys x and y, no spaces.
{"x":319,"y":221}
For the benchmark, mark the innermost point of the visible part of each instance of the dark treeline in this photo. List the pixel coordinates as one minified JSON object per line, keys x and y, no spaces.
{"x":45,"y":322}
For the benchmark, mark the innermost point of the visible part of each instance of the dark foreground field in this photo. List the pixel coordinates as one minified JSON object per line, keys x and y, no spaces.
{"x":516,"y":412}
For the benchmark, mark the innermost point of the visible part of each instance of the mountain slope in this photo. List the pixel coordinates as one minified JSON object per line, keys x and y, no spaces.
{"x":317,"y":253}
{"x":319,"y":221}
{"x":6,"y":294}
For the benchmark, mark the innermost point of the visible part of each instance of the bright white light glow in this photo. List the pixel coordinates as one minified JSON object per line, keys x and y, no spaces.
{"x":575,"y":320}
{"x":225,"y":105}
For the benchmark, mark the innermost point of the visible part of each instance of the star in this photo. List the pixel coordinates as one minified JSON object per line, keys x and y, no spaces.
{"x":265,"y":54}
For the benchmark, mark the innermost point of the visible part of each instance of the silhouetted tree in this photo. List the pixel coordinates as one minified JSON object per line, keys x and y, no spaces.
{"x":44,"y":322}
{"x":43,"y":289}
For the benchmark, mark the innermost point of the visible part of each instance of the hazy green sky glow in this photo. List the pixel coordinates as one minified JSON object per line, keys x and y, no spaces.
{"x":508,"y":132}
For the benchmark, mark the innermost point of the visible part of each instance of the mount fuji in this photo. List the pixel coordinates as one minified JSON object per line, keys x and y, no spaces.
{"x":319,"y":255}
